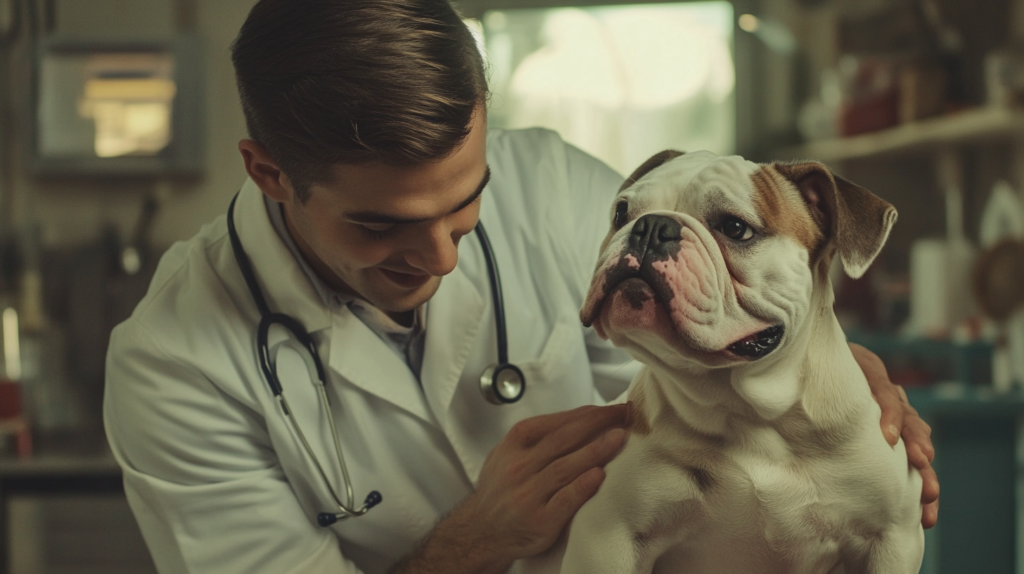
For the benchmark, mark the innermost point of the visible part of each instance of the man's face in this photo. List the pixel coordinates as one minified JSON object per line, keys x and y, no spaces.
{"x":389,"y":233}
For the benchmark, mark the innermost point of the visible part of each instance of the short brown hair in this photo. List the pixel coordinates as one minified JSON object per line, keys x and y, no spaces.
{"x":324,"y":82}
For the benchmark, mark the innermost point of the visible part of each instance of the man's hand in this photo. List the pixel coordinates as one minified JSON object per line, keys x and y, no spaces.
{"x":901,"y":419}
{"x":530,"y":486}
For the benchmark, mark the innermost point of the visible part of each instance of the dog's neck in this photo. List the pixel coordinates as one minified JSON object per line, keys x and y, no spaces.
{"x":813,"y":380}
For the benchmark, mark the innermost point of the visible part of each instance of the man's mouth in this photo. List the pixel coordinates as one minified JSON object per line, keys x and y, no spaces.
{"x":759,"y":344}
{"x":405,"y":280}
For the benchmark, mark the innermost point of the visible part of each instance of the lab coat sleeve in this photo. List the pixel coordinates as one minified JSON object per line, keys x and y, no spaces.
{"x":199,"y":472}
{"x":593,"y":186}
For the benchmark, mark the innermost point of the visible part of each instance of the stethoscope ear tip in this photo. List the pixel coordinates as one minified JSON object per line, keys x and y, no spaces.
{"x":326,"y":519}
{"x":372,"y":499}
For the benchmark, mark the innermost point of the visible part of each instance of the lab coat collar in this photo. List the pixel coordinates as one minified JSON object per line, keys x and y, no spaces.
{"x":285,"y":286}
{"x":364,"y":360}
{"x":455,"y":320}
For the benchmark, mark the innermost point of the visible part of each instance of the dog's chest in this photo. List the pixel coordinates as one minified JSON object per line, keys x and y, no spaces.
{"x":754,"y":507}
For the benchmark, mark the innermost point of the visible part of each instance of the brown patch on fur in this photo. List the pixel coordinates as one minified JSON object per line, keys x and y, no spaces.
{"x":651,"y":163}
{"x":784,"y":211}
{"x":636,"y":418}
{"x":856,"y":219}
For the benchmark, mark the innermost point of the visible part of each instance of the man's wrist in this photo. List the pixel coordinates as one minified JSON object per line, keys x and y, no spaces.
{"x":458,"y":544}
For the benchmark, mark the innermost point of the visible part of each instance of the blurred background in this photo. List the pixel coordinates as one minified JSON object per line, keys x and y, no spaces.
{"x":118,"y":128}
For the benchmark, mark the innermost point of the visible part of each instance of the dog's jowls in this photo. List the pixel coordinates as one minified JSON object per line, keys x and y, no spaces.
{"x":755,"y":445}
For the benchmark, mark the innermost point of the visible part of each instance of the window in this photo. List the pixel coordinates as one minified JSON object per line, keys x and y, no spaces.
{"x":620,"y":82}
{"x":109,"y":104}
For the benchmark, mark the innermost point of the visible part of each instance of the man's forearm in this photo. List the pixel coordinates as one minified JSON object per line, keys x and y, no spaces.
{"x":455,"y":546}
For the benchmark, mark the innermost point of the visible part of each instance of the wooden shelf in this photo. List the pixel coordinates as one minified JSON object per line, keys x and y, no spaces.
{"x":972,"y":126}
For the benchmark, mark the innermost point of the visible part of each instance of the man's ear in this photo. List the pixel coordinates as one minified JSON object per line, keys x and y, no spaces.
{"x":854,"y":219}
{"x":264,"y":171}
{"x":653,"y":162}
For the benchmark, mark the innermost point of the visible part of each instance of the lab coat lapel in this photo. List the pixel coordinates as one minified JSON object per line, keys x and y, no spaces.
{"x":364,"y":360}
{"x":454,"y":319}
{"x":282,"y":280}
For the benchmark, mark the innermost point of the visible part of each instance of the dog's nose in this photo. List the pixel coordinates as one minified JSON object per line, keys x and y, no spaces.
{"x":656,"y":235}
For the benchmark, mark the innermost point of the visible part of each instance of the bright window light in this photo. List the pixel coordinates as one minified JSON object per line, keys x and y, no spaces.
{"x":110,"y":104}
{"x":749,"y":23}
{"x":620,"y":82}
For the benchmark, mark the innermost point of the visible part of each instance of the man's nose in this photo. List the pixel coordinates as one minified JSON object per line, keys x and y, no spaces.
{"x":438,"y":252}
{"x":655,"y":237}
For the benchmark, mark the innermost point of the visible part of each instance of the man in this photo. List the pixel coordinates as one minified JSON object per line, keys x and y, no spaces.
{"x":369,"y":160}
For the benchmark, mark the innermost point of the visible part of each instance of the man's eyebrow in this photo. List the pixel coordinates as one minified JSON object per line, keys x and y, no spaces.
{"x":377,"y":217}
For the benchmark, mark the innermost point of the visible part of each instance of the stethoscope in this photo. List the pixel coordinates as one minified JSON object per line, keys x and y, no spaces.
{"x":501,"y":383}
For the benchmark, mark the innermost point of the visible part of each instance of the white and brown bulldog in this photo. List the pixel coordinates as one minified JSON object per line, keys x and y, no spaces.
{"x":754,"y":444}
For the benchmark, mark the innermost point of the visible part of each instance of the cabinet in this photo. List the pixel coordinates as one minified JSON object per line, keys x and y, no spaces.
{"x":979,"y":455}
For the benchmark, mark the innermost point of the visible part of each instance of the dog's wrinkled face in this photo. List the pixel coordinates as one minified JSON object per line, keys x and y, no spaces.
{"x":714,"y":259}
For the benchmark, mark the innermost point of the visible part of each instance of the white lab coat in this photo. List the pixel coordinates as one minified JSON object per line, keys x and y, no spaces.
{"x":212,"y":469}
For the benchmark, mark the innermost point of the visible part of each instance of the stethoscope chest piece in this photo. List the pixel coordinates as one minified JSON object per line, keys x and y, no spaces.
{"x":502,"y":384}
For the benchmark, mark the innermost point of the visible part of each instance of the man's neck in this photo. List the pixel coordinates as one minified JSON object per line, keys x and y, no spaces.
{"x":404,"y":318}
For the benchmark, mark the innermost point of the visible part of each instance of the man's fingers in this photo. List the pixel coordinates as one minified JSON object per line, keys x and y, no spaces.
{"x":564,"y":504}
{"x":566,"y":469}
{"x":929,"y":496}
{"x":929,"y":486}
{"x":930,"y":514}
{"x":892,"y":414}
{"x":919,"y":446}
{"x":527,"y":433}
{"x":929,"y":449}
{"x":889,"y":397}
{"x":916,"y":456}
{"x":576,"y":433}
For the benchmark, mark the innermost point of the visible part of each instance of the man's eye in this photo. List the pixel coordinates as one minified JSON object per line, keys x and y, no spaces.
{"x":621,"y":214}
{"x":736,"y":229}
{"x":376,"y":231}
{"x":378,"y":227}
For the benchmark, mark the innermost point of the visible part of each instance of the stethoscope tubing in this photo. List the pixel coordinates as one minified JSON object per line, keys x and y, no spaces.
{"x":496,"y":294}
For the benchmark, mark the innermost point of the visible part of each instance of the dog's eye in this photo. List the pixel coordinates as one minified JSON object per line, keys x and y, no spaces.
{"x":737,"y":229}
{"x":621,"y":214}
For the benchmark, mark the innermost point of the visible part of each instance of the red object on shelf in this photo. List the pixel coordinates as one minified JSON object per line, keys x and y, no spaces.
{"x":869,"y":114}
{"x":12,"y":418}
{"x":911,"y":377}
{"x":10,"y":400}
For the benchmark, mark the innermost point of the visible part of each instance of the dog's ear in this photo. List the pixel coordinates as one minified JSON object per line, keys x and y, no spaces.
{"x":857,"y":220}
{"x":653,"y":162}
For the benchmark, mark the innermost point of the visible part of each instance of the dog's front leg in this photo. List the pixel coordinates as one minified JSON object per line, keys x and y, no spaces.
{"x":898,"y":552}
{"x":602,"y":541}
{"x":639,"y":513}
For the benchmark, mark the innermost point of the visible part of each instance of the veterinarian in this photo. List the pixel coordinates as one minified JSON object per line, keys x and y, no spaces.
{"x":369,"y":167}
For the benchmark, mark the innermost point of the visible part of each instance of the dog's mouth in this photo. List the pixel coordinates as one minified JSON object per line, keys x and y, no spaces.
{"x":759,"y":344}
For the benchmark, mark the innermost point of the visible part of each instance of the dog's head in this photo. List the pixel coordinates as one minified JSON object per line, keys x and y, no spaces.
{"x":716,"y":259}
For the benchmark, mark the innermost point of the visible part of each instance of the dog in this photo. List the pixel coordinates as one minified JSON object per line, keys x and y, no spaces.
{"x":754,"y":444}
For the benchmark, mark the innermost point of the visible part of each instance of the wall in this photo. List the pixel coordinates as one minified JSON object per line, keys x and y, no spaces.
{"x":72,"y":212}
{"x":89,"y":535}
